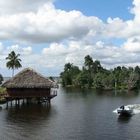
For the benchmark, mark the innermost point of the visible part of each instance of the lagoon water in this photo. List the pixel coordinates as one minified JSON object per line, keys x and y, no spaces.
{"x":73,"y":115}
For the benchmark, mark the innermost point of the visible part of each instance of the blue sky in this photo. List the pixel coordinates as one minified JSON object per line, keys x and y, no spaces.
{"x":50,"y":33}
{"x":100,"y":8}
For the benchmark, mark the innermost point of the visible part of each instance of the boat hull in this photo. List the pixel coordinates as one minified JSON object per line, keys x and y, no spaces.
{"x":126,"y":113}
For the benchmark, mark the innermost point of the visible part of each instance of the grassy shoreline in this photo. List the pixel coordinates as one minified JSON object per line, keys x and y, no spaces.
{"x":103,"y":89}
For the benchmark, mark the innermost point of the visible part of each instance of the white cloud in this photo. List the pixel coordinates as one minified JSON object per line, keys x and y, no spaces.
{"x":1,"y":48}
{"x":27,"y":50}
{"x":75,"y":51}
{"x":55,"y":49}
{"x":18,"y":49}
{"x":48,"y":24}
{"x":115,"y":28}
{"x":20,"y":6}
{"x":71,"y":35}
{"x":57,"y":54}
{"x":132,"y":45}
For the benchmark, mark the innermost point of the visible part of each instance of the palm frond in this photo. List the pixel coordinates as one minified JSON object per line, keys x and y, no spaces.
{"x":14,"y":61}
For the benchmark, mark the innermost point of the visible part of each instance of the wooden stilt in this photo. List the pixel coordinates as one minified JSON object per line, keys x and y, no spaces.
{"x":49,"y":101}
{"x":7,"y":104}
{"x":23,"y":101}
{"x":18,"y":102}
{"x":27,"y":100}
{"x":11,"y":102}
{"x":38,"y":100}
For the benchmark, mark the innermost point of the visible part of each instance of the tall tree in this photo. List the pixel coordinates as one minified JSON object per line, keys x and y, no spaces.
{"x":88,"y":67}
{"x":88,"y":62}
{"x":132,"y":80}
{"x":13,"y":61}
{"x":69,"y":74}
{"x":68,"y":66}
{"x":1,"y":79}
{"x":97,"y":66}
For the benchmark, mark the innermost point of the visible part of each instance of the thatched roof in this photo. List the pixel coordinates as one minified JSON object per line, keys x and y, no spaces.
{"x":28,"y":78}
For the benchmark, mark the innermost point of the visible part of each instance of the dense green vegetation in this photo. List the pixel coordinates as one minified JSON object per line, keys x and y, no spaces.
{"x":1,"y":79}
{"x":93,"y":75}
{"x":2,"y":90}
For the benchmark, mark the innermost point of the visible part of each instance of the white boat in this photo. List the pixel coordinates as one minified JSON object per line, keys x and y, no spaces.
{"x":125,"y":111}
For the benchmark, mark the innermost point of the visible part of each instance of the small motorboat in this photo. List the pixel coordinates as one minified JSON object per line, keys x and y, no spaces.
{"x":125,"y":111}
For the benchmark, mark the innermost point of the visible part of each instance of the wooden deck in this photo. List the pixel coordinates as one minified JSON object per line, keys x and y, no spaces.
{"x":39,"y":98}
{"x":52,"y":95}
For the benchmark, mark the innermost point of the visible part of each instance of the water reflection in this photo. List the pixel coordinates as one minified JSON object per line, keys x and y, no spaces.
{"x":111,"y":93}
{"x":122,"y":119}
{"x":27,"y":121}
{"x":126,"y":93}
{"x":28,"y":113}
{"x":74,"y":114}
{"x":75,"y":92}
{"x":117,"y":93}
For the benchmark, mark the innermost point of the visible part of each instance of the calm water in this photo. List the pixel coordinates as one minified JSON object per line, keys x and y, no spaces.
{"x":74,"y":115}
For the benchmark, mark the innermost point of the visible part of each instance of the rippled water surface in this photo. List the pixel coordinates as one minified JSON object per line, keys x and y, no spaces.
{"x":73,"y":115}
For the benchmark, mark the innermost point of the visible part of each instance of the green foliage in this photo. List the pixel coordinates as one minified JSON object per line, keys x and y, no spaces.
{"x":2,"y":90}
{"x":88,"y":63}
{"x":13,"y":61}
{"x":1,"y":79}
{"x":83,"y":79}
{"x":93,"y":75}
{"x":69,"y":74}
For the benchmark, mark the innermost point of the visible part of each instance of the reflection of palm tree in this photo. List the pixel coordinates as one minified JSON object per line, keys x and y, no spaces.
{"x":14,"y":61}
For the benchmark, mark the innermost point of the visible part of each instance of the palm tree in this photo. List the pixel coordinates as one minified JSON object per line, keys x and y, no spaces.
{"x":97,"y":66}
{"x":89,"y":68}
{"x":88,"y":62}
{"x":14,"y":61}
{"x":68,"y":66}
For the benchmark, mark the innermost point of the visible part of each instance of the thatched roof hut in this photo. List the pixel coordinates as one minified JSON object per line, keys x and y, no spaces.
{"x":29,"y":84}
{"x":28,"y":78}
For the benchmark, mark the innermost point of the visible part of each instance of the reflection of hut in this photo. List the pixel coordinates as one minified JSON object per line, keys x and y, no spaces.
{"x":29,"y":84}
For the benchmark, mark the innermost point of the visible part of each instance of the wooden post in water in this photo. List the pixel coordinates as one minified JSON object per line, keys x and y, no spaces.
{"x":11,"y":102}
{"x":18,"y":102}
{"x":23,"y":100}
{"x":6,"y":103}
{"x":49,"y":101}
{"x":27,"y":100}
{"x":38,"y":100}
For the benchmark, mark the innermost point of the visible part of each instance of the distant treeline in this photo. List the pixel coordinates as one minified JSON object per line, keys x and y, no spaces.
{"x":93,"y":75}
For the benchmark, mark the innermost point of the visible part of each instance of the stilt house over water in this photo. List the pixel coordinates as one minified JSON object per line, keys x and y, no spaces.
{"x":29,"y":84}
